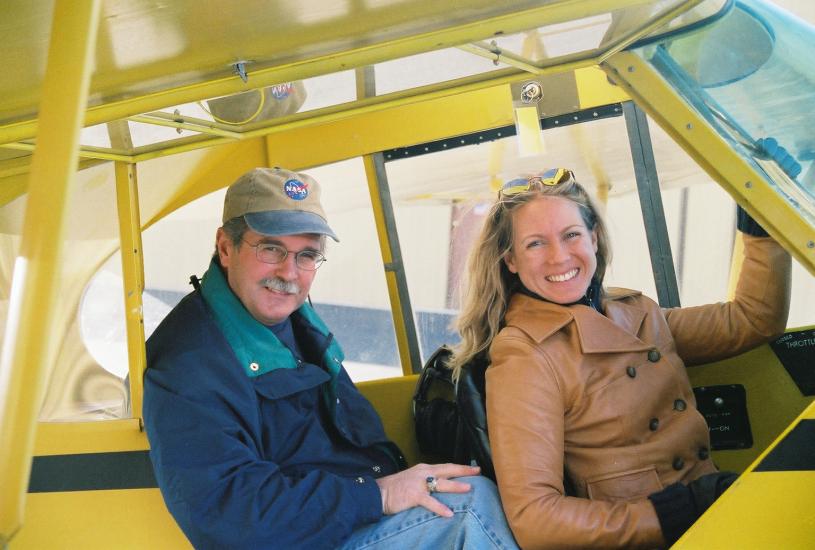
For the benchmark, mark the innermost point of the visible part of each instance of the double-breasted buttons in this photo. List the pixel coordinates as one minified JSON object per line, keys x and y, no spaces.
{"x":680,"y":405}
{"x":654,"y":355}
{"x":703,"y":453}
{"x":254,"y":367}
{"x":678,"y":463}
{"x":653,"y":424}
{"x":631,"y":371}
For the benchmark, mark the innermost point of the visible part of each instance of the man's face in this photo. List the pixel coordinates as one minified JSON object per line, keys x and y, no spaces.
{"x":270,"y":292}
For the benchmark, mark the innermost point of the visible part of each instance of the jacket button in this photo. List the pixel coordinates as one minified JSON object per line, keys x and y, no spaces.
{"x":631,"y":371}
{"x":653,"y":424}
{"x":678,"y":463}
{"x":680,"y":405}
{"x":704,"y":454}
{"x":654,"y":356}
{"x":254,"y":367}
{"x":360,"y":480}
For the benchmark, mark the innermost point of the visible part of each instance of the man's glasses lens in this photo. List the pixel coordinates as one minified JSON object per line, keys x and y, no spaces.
{"x":274,"y":254}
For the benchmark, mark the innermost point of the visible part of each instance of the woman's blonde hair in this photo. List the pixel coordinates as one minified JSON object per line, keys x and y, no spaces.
{"x":488,"y":284}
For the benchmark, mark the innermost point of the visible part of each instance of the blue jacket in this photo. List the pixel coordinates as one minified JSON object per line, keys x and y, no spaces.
{"x":281,"y":456}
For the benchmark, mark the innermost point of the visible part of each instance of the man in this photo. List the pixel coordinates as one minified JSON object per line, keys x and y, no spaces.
{"x":258,"y":437}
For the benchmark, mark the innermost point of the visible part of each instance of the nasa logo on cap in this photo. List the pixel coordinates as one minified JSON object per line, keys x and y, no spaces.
{"x":282,"y":91}
{"x":296,"y":189}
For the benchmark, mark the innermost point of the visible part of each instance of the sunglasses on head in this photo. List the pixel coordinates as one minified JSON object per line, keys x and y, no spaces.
{"x":549,"y":178}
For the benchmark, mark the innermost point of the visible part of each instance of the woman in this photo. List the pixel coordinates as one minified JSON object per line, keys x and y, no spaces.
{"x":587,"y":386}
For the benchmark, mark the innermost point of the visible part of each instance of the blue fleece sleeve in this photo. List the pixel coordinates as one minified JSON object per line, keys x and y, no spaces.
{"x":221,"y":491}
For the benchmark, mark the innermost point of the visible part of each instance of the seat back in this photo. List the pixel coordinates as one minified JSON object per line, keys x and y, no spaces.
{"x":471,"y":401}
{"x":435,"y":413}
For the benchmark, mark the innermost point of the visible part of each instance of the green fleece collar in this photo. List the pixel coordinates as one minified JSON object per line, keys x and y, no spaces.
{"x":257,"y":348}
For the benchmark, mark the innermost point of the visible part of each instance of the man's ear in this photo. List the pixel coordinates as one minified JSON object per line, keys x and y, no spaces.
{"x":224,"y":246}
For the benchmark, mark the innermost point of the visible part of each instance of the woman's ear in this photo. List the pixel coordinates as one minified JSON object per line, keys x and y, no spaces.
{"x":509,"y":260}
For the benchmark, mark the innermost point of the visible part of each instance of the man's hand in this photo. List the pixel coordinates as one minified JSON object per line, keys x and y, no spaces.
{"x":408,"y":488}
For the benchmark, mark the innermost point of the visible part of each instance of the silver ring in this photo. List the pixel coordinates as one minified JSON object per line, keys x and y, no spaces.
{"x":432,"y":484}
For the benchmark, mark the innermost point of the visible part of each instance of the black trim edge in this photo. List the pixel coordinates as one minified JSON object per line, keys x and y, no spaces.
{"x":796,"y":452}
{"x":606,"y":111}
{"x":92,"y":472}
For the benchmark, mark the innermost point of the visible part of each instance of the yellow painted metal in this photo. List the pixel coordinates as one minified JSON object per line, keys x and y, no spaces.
{"x":375,"y":52}
{"x":650,"y":27}
{"x":693,"y":133}
{"x":68,"y":438}
{"x":497,"y":55}
{"x":807,"y":413}
{"x":28,"y":349}
{"x":735,"y":265}
{"x":346,"y":112}
{"x":464,"y":100}
{"x":132,"y":519}
{"x":594,"y":89}
{"x":754,"y":514}
{"x":390,"y":277}
{"x":15,"y":167}
{"x":159,"y":118}
{"x":378,"y":131}
{"x":13,"y":186}
{"x":127,"y":201}
{"x":773,"y":399}
{"x":761,"y":510}
{"x":84,"y":152}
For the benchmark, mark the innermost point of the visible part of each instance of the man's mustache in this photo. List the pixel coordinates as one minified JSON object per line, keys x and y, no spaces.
{"x":279,"y":285}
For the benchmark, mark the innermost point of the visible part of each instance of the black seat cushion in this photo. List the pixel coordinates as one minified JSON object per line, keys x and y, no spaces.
{"x":471,"y":399}
{"x":435,"y":412}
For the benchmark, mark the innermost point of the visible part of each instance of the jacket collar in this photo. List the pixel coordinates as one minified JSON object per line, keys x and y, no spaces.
{"x":616,"y":331}
{"x":255,"y":344}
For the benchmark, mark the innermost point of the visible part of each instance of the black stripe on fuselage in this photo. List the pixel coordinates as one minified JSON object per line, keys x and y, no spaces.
{"x":91,"y":472}
{"x":796,"y":452}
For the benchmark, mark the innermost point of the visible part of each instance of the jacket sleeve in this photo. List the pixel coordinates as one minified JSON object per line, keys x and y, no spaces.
{"x":756,"y":315}
{"x":525,"y":411}
{"x":219,"y":488}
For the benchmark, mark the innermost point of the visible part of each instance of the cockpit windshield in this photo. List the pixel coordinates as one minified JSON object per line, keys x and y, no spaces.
{"x":750,"y":74}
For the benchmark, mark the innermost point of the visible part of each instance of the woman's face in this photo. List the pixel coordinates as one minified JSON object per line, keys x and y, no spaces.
{"x":553,"y":252}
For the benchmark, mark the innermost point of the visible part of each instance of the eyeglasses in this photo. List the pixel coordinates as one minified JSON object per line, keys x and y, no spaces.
{"x":269,"y":253}
{"x":550,"y":178}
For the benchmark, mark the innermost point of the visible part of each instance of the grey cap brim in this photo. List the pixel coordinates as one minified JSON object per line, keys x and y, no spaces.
{"x":288,"y":222}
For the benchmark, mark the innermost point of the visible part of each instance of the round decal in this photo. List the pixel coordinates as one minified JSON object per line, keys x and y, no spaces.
{"x":296,"y":189}
{"x":282,"y":91}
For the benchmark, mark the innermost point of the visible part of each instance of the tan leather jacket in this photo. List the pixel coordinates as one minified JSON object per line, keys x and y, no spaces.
{"x":608,"y":398}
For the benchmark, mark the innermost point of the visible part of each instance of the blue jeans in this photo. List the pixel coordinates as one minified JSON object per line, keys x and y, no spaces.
{"x":478,"y":522}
